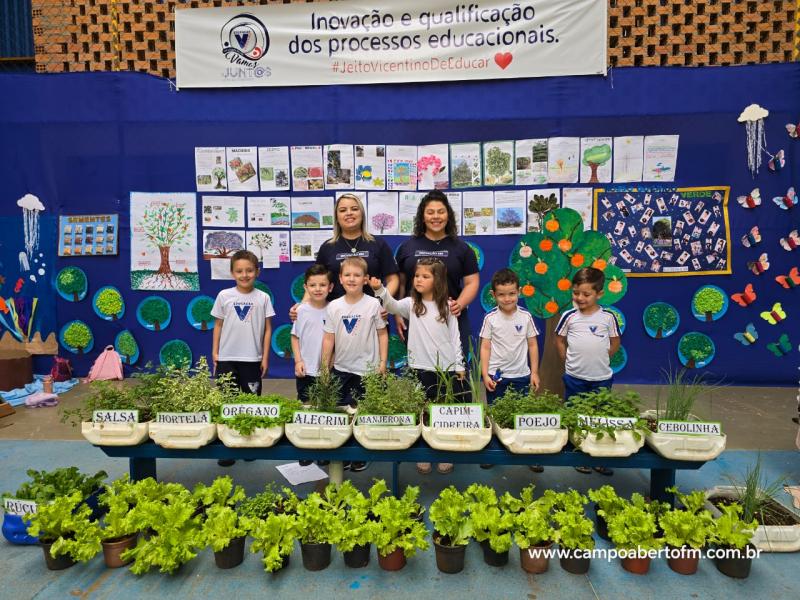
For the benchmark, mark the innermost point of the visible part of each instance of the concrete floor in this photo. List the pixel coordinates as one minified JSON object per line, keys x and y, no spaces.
{"x":754,"y":418}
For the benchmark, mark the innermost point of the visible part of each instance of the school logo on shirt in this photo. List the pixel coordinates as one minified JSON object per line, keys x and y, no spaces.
{"x":435,"y":253}
{"x":518,"y":328}
{"x":350,"y":323}
{"x":342,"y":255}
{"x":243,"y":311}
{"x":593,"y":329}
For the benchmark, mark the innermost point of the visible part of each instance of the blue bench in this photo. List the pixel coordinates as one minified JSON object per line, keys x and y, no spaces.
{"x":662,"y":471}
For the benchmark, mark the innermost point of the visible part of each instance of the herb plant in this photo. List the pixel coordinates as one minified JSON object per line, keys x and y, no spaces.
{"x":45,"y":486}
{"x":325,"y":393}
{"x":246,"y":424}
{"x":603,"y":403}
{"x":66,"y":523}
{"x":449,"y":516}
{"x":755,"y":493}
{"x":397,"y":524}
{"x":108,"y":395}
{"x":683,"y":392}
{"x":392,"y":394}
{"x":513,"y":402}
{"x":270,"y":501}
{"x":187,"y":389}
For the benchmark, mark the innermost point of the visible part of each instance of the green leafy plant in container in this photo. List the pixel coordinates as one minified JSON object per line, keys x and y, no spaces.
{"x":493,"y":521}
{"x":247,"y":424}
{"x":107,"y":395}
{"x":64,"y":527}
{"x":603,"y":403}
{"x":391,"y":394}
{"x":449,"y":515}
{"x":274,"y":537}
{"x":325,"y":393}
{"x":634,"y":529}
{"x":359,"y":525}
{"x":190,"y":389}
{"x":45,"y":486}
{"x":222,"y":528}
{"x":513,"y":402}
{"x":686,"y":531}
{"x":399,"y":531}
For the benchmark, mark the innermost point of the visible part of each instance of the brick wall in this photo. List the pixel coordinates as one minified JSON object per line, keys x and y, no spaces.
{"x":136,"y":35}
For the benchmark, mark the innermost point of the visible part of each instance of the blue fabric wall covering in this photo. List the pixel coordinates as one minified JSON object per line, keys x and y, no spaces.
{"x":82,"y":142}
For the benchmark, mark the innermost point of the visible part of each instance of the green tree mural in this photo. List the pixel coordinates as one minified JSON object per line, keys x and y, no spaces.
{"x":127,"y":346}
{"x":78,"y":335}
{"x":546,"y":262}
{"x":283,"y":341}
{"x":594,"y":157}
{"x":697,"y":348}
{"x":201,"y":312}
{"x":165,"y":226}
{"x":708,"y":301}
{"x":154,"y":311}
{"x":109,"y":303}
{"x":660,"y":317}
{"x":71,"y":281}
{"x":176,"y":353}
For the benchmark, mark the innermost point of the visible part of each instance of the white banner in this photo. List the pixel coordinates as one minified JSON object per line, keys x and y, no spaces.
{"x":388,"y":42}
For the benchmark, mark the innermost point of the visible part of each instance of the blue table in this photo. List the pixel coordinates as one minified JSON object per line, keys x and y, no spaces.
{"x":662,"y":471}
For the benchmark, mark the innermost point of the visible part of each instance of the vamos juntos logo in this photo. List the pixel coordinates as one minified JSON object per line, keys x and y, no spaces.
{"x":245,"y":41}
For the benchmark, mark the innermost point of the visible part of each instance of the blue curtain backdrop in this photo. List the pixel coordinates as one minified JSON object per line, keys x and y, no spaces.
{"x":82,"y":142}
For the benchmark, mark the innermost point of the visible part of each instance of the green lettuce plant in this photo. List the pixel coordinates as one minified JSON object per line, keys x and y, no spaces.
{"x":221,"y":523}
{"x":397,"y":524}
{"x":449,"y":516}
{"x":274,"y":537}
{"x":119,"y":499}
{"x":573,"y":529}
{"x":45,"y":486}
{"x":608,"y":501}
{"x":359,"y":526}
{"x":690,"y":526}
{"x":532,"y":526}
{"x":730,"y":529}
{"x":66,"y":523}
{"x":318,"y":522}
{"x":634,"y":528}
{"x":492,"y":518}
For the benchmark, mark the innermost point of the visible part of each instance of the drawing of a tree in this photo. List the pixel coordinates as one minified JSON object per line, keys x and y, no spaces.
{"x":166,"y":226}
{"x":221,"y":244}
{"x":219,"y":175}
{"x":262,"y":241}
{"x":546,"y":262}
{"x":541,"y":205}
{"x":109,"y":303}
{"x":201,"y":311}
{"x":594,"y":157}
{"x":78,"y":335}
{"x":708,"y":301}
{"x":382,"y":221}
{"x":127,"y":346}
{"x":154,"y":311}
{"x":233,"y":214}
{"x":498,"y":163}
{"x":660,"y":317}
{"x":697,"y":348}
{"x":71,"y":281}
{"x":176,"y":353}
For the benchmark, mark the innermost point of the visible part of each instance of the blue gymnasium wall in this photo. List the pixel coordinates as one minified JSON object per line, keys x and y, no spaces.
{"x":82,"y":142}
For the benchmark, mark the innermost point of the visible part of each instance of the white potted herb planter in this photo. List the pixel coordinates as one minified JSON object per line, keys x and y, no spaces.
{"x":319,"y":430}
{"x":767,"y":538}
{"x":183,"y":431}
{"x":625,"y":443}
{"x":457,"y":427}
{"x":386,"y":432}
{"x":693,"y":439}
{"x":543,"y":440}
{"x":115,"y":434}
{"x":262,"y":437}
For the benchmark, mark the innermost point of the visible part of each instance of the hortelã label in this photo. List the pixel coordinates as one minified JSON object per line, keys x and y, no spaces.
{"x":12,"y":506}
{"x":537,"y":421}
{"x":401,"y":419}
{"x":115,"y":416}
{"x":302,"y":417}
{"x":229,"y":411}
{"x":184,"y":418}
{"x":592,"y":421}
{"x":690,"y":427}
{"x":457,"y":416}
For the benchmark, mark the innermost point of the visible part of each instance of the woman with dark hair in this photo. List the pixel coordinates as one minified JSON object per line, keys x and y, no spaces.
{"x":435,"y":236}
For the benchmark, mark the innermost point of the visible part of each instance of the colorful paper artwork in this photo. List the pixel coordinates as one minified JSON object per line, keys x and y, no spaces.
{"x":709,"y":303}
{"x":696,"y":350}
{"x":661,"y":320}
{"x":88,"y":235}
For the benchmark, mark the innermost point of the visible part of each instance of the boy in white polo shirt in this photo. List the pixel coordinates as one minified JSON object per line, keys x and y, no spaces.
{"x":508,"y":341}
{"x":587,"y":336}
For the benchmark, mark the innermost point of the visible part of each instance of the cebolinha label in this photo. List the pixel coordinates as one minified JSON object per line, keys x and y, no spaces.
{"x":690,"y":427}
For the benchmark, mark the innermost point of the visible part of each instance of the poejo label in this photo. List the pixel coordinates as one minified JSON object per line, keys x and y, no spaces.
{"x":537,"y":421}
{"x":12,"y":506}
{"x":690,"y":427}
{"x":621,"y":422}
{"x":320,"y":418}
{"x":457,"y":416}
{"x":271,"y":411}
{"x":115,"y":416}
{"x":404,"y":419}
{"x":184,"y":418}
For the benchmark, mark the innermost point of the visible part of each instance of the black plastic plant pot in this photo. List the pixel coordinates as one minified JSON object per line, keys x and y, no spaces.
{"x":283,"y":566}
{"x":450,"y":559}
{"x":602,"y":526}
{"x":358,"y":557}
{"x":738,"y":568}
{"x":492,"y":558}
{"x":571,"y":564}
{"x":316,"y":557}
{"x":56,"y":564}
{"x":232,"y":555}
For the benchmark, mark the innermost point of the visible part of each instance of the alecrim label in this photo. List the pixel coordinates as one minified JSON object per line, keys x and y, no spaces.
{"x":401,"y":419}
{"x":537,"y":421}
{"x":690,"y":427}
{"x":457,"y":416}
{"x":115,"y":416}
{"x":229,"y":411}
{"x":593,"y":421}
{"x":184,"y":418}
{"x":13,"y":506}
{"x":302,"y":417}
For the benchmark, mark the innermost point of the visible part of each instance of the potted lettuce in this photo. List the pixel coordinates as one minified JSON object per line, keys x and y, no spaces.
{"x":452,"y":529}
{"x":399,"y":532}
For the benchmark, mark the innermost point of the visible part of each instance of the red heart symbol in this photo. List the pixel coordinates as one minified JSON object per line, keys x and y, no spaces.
{"x":503,"y":59}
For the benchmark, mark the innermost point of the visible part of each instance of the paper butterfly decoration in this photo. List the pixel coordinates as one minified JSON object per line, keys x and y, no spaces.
{"x":752,"y":200}
{"x":792,"y":129}
{"x":748,"y":336}
{"x":760,"y":265}
{"x":791,"y":241}
{"x":777,"y":162}
{"x":775,"y":315}
{"x":782,"y":347}
{"x":788,"y":201}
{"x":752,"y":238}
{"x":794,"y":492}
{"x":746,"y":298}
{"x":791,"y":280}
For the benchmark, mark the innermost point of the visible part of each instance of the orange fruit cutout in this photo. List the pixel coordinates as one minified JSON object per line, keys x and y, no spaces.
{"x":540,"y":268}
{"x":576,"y":260}
{"x":546,"y":245}
{"x":551,"y":306}
{"x":528,"y":290}
{"x":565,"y":245}
{"x":552,"y":225}
{"x":599,"y":263}
{"x":564,"y":284}
{"x":615,"y":286}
